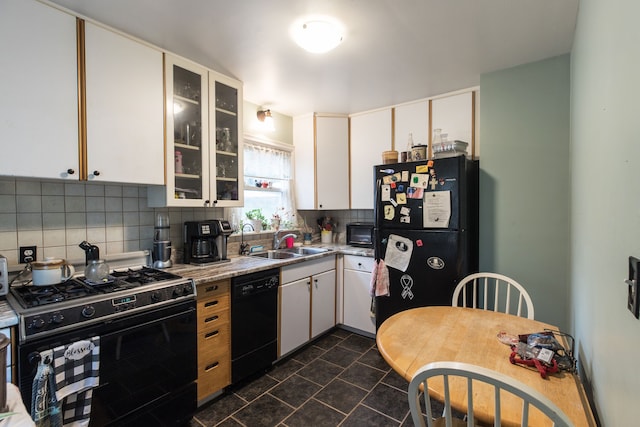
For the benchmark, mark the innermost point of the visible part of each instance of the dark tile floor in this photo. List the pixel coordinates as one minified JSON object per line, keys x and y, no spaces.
{"x":338,"y":380}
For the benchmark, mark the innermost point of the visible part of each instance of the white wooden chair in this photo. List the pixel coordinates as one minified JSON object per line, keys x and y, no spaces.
{"x":502,"y":385}
{"x":477,"y":288}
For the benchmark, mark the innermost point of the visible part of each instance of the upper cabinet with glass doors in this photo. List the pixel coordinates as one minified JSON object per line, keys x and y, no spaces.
{"x":226,"y":99}
{"x":187,"y":148}
{"x":203,"y":138}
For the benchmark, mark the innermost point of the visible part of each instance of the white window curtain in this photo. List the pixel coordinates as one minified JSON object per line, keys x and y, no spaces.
{"x":267,"y":162}
{"x":271,"y":165}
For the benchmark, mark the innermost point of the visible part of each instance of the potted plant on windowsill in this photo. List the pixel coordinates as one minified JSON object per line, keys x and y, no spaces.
{"x":256,"y":219}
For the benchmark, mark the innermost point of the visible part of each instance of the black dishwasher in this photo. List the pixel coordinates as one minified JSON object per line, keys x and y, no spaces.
{"x":254,"y":322}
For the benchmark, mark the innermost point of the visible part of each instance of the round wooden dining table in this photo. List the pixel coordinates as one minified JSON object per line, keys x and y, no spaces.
{"x":410,"y":339}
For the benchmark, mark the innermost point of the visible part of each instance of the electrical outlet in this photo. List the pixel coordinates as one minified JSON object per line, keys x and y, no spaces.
{"x":632,"y":283}
{"x":27,"y":254}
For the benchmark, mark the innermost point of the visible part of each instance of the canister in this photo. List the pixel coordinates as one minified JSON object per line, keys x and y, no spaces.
{"x":389,"y":157}
{"x":419,"y":152}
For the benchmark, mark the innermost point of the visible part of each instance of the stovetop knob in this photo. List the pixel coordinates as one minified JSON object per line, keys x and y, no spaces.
{"x":88,"y":311}
{"x":177,"y":291}
{"x":156,"y":296}
{"x":38,"y":323}
{"x":57,"y":318}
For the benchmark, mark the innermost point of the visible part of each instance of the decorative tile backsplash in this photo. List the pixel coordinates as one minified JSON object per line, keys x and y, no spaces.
{"x":56,"y":216}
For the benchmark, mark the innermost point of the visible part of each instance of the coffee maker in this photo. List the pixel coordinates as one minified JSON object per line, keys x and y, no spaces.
{"x":205,"y":242}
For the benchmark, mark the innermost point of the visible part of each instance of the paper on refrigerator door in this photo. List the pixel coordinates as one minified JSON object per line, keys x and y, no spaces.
{"x":437,"y":209}
{"x":398,"y":254}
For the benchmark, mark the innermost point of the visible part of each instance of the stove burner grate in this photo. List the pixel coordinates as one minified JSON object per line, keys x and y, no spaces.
{"x":79,"y":287}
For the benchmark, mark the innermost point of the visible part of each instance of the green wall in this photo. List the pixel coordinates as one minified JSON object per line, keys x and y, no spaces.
{"x":524,"y":181}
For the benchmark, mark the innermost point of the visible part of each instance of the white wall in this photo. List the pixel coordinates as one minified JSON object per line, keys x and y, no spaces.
{"x":605,"y":204}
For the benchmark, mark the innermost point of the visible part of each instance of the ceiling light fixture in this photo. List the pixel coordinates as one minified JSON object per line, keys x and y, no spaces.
{"x":265,"y":117}
{"x":317,"y":34}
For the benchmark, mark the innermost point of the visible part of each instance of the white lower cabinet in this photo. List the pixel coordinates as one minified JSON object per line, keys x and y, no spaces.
{"x":323,"y":302}
{"x":307,"y":302}
{"x":295,"y":318}
{"x":357,"y":301}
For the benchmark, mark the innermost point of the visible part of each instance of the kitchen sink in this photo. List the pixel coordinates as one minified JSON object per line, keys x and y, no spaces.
{"x":289,"y":253}
{"x":278,"y":254}
{"x":305,"y":251}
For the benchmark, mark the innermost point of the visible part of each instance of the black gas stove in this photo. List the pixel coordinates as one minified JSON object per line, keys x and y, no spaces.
{"x":44,"y":310}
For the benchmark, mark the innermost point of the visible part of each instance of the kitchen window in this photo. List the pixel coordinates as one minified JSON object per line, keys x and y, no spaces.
{"x":267,"y":182}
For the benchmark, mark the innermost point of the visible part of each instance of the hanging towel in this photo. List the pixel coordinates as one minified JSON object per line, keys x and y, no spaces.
{"x":379,"y":280}
{"x":45,"y":409}
{"x":76,"y":369}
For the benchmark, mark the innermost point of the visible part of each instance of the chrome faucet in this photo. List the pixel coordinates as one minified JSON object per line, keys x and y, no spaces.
{"x":277,"y":242}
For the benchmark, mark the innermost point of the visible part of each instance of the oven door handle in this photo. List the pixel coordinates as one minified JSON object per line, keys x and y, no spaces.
{"x":150,"y":322}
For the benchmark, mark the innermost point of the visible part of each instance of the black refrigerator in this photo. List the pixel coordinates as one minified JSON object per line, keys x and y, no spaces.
{"x":426,"y":230}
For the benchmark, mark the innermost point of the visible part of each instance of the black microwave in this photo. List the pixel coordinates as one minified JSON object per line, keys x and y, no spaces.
{"x":360,"y":234}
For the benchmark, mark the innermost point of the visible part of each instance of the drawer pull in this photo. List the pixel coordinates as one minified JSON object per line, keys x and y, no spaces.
{"x":212,"y":334}
{"x":211,"y":288}
{"x":211,"y":319}
{"x":211,"y":303}
{"x":210,"y":367}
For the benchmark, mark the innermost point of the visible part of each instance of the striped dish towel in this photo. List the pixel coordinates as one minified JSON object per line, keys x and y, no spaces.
{"x":76,"y":368}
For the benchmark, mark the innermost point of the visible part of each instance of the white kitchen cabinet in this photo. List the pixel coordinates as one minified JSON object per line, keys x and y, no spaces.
{"x":306,"y":312}
{"x":203,"y":138}
{"x":370,"y":136}
{"x":412,"y":118}
{"x":295,"y":298}
{"x":225,"y":131}
{"x":187,"y":141}
{"x":357,"y":301}
{"x":454,"y":115}
{"x":124,"y":109}
{"x":121,"y":112}
{"x":39,"y":91}
{"x":323,"y":302}
{"x":321,"y":161}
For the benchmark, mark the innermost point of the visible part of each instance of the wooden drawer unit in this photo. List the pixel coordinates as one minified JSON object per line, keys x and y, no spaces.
{"x":214,"y":338}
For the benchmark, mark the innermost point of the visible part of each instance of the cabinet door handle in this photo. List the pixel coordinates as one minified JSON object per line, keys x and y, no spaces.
{"x":211,"y":288}
{"x":210,"y":367}
{"x":206,"y":202}
{"x":316,"y":282}
{"x":212,"y":334}
{"x":211,"y":303}
{"x":71,"y":171}
{"x":211,"y":319}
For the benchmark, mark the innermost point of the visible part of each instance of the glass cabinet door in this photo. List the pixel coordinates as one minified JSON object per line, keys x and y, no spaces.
{"x":188,"y":164}
{"x":187,"y":137}
{"x":227,"y":96}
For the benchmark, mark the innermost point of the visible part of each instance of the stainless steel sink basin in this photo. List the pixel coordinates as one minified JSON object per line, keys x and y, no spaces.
{"x":289,"y":253}
{"x":279,"y":254}
{"x":305,"y":250}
